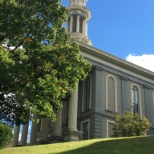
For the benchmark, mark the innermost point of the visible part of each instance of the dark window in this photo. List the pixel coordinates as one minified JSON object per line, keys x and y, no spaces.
{"x":135,"y":99}
{"x":81,"y":24}
{"x":87,"y":94}
{"x":85,"y":131}
{"x":74,"y":28}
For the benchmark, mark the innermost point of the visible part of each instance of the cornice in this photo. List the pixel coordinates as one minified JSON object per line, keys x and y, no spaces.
{"x":82,"y":9}
{"x":115,"y":60}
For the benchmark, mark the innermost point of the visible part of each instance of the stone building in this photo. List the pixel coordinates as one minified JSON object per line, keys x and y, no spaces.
{"x":113,"y":86}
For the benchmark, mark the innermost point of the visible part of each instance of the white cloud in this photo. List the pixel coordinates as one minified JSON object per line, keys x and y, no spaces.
{"x":146,"y":61}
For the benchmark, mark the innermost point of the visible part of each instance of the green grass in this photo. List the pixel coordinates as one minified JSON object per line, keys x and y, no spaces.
{"x":138,"y":145}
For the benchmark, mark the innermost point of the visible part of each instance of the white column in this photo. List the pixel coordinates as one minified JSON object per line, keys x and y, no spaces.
{"x":16,"y":135}
{"x":72,"y":112}
{"x":34,"y":131}
{"x":71,"y":23}
{"x":57,"y":128}
{"x":72,"y":134}
{"x":24,"y":134}
{"x":44,"y":128}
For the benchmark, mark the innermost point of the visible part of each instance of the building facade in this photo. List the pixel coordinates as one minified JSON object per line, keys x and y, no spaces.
{"x":113,"y":86}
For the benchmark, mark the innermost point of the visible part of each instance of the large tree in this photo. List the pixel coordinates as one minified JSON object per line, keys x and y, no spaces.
{"x":43,"y":66}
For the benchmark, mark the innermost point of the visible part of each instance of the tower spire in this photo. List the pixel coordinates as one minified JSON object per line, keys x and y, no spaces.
{"x":77,"y":24}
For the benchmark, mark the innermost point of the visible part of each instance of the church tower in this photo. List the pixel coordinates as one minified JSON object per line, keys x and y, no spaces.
{"x":77,"y":24}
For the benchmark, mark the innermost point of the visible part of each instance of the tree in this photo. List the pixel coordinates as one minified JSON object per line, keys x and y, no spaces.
{"x":130,"y":125}
{"x":6,"y":135}
{"x":43,"y":66}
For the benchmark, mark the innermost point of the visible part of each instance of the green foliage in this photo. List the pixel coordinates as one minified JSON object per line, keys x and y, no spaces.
{"x":5,"y":135}
{"x":130,"y":125}
{"x":36,"y":78}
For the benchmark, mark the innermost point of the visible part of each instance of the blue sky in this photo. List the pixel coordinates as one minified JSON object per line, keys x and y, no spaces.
{"x":124,"y":28}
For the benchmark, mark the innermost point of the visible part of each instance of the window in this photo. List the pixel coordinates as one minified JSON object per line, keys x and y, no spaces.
{"x":74,"y":28}
{"x":135,"y":100}
{"x":81,"y":24}
{"x":109,"y":128}
{"x":86,"y":94}
{"x":85,"y":130}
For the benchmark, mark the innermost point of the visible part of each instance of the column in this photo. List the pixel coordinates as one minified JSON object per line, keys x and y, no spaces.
{"x":71,"y":23}
{"x":16,"y":136}
{"x":44,"y":128}
{"x":72,"y":134}
{"x":34,"y":131}
{"x":57,"y":128}
{"x":78,"y":23}
{"x":24,"y":134}
{"x":72,"y":112}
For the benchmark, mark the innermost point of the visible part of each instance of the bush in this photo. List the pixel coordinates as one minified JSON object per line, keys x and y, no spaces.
{"x":5,"y":135}
{"x":130,"y":125}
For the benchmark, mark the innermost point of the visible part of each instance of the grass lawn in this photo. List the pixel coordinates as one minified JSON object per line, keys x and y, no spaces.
{"x":138,"y":145}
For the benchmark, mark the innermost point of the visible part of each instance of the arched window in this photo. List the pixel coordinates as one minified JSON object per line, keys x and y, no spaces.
{"x":74,"y":25}
{"x":135,"y":99}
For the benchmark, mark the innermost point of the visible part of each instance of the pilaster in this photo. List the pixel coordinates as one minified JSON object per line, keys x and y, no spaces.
{"x":148,"y":104}
{"x":124,"y":96}
{"x":96,"y":118}
{"x":96,"y":90}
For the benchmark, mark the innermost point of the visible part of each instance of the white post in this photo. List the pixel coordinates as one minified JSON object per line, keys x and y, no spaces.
{"x":78,"y":23}
{"x":44,"y":128}
{"x":71,"y":24}
{"x":24,"y":134}
{"x":72,"y":134}
{"x":57,"y":128}
{"x":34,"y":131}
{"x":72,"y":113}
{"x":16,"y":135}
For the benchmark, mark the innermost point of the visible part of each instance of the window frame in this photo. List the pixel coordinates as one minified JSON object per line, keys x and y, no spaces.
{"x":88,"y":128}
{"x":137,"y":93}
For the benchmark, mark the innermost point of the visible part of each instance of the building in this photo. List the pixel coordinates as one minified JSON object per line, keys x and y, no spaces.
{"x":113,"y":86}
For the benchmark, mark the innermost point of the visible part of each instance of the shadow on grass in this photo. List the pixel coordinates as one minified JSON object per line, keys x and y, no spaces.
{"x":141,"y":145}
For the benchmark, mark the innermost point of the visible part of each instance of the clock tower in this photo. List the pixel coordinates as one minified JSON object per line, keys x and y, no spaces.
{"x":77,"y":24}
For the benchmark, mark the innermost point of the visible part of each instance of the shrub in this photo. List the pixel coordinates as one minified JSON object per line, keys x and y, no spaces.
{"x":5,"y":135}
{"x":130,"y":125}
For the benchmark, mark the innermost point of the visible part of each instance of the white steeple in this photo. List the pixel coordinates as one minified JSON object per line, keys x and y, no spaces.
{"x":78,"y":2}
{"x":77,"y":24}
